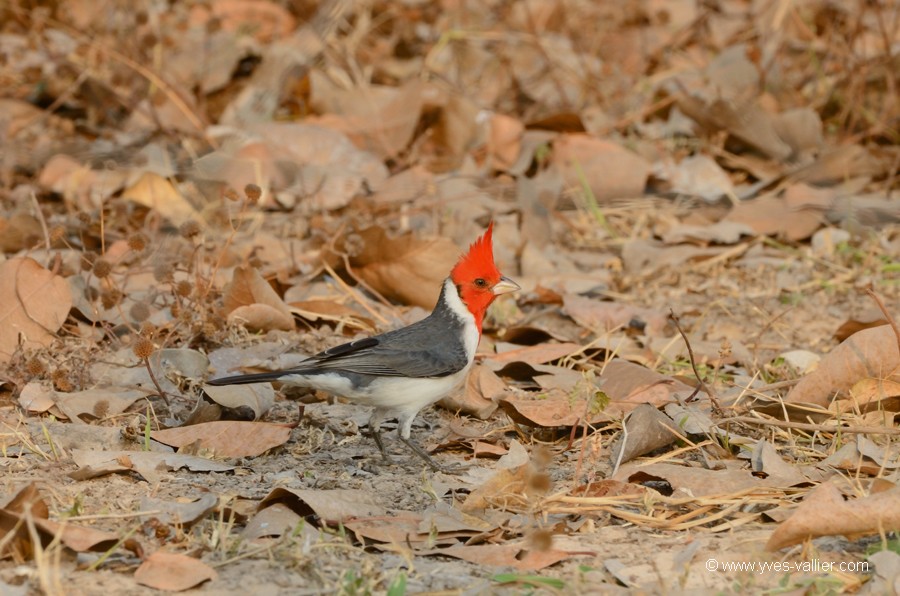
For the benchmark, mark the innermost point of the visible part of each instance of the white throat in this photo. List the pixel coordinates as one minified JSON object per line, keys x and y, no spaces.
{"x":458,"y":308}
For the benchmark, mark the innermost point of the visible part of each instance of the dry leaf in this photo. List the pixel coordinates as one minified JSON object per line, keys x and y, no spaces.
{"x":647,"y":429}
{"x":610,"y":171}
{"x":178,"y":512}
{"x":479,"y":396}
{"x":34,"y":304}
{"x":250,"y":299}
{"x":259,"y":397}
{"x":146,"y":463}
{"x":522,"y":557}
{"x":227,"y":438}
{"x":825,"y":512}
{"x":405,"y":268}
{"x":173,"y":572}
{"x":334,"y":505}
{"x":868,"y":354}
{"x":157,"y":193}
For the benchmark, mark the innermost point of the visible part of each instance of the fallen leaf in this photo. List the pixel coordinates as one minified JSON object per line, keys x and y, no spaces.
{"x":479,"y":396}
{"x":608,"y":170}
{"x":178,"y":512}
{"x":645,"y":429}
{"x":537,"y":354}
{"x":157,"y":193}
{"x":869,"y":354}
{"x":173,"y":572}
{"x":328,"y":310}
{"x":521,"y":557}
{"x":227,"y":438}
{"x":259,"y":397}
{"x":146,"y":463}
{"x":250,"y":299}
{"x":34,"y":304}
{"x":335,"y":505}
{"x":602,"y":317}
{"x":825,"y":512}
{"x":405,"y":268}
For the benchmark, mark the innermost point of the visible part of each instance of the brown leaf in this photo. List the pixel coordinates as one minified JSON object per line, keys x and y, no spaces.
{"x":28,"y":504}
{"x":334,"y":505}
{"x":869,"y":354}
{"x":34,"y":304}
{"x":552,"y":409}
{"x":379,"y":119}
{"x":250,"y":299}
{"x":786,"y":217}
{"x":146,"y":463}
{"x":518,"y":556}
{"x":159,"y":194}
{"x":601,"y":317}
{"x":405,"y":268}
{"x":647,"y":429}
{"x":824,"y":512}
{"x":329,"y":310}
{"x":178,"y":512}
{"x":504,"y":140}
{"x":173,"y":572}
{"x":609,"y":170}
{"x":259,"y":397}
{"x":479,"y":397}
{"x":537,"y":354}
{"x":227,"y":438}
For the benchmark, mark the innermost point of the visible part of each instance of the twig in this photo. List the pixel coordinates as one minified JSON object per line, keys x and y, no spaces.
{"x":887,"y":315}
{"x":353,"y":294}
{"x":859,"y":430}
{"x":40,"y":216}
{"x":702,"y":384}
{"x":159,"y":389}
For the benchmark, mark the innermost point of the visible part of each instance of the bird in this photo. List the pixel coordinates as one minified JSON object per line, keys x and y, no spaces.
{"x":402,"y":371}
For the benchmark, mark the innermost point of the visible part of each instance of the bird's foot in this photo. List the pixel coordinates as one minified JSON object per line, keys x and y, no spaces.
{"x":435,"y":467}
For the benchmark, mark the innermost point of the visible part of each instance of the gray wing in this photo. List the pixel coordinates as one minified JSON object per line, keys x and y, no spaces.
{"x":418,"y":351}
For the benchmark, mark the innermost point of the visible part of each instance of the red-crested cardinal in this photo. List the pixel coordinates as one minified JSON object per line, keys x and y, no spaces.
{"x":402,"y":371}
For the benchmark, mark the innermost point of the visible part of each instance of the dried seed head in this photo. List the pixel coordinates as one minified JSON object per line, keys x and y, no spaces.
{"x":102,"y":268}
{"x":162,"y":272}
{"x":35,"y":367}
{"x":143,"y":348}
{"x":189,"y":229}
{"x":184,"y":288}
{"x":231,"y":194}
{"x":61,"y":381}
{"x":57,"y":233}
{"x":139,"y":312}
{"x":138,"y":241}
{"x":87,"y":260}
{"x":109,"y":298}
{"x":253,"y":192}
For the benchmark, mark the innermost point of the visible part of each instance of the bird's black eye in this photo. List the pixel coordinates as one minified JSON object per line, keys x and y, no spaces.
{"x":480,"y":282}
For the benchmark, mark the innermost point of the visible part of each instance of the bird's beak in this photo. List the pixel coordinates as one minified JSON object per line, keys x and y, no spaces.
{"x":505,"y":286}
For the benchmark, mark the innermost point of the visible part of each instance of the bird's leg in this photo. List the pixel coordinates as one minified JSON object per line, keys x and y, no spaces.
{"x":375,"y":429}
{"x":403,"y":432}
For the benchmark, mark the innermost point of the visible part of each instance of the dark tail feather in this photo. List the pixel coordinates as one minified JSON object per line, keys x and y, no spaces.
{"x":247,"y":379}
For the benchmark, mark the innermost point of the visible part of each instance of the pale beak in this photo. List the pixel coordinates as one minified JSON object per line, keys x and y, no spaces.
{"x":505,"y":286}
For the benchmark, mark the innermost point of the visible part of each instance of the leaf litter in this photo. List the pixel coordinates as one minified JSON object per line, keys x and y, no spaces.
{"x":186,"y":192}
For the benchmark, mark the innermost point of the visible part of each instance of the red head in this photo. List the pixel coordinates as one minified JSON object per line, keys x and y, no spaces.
{"x":477,"y":278}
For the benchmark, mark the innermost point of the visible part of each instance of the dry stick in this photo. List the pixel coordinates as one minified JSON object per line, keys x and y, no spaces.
{"x":353,"y":294}
{"x":887,"y":315}
{"x":860,"y":430}
{"x":159,"y":389}
{"x":702,"y":384}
